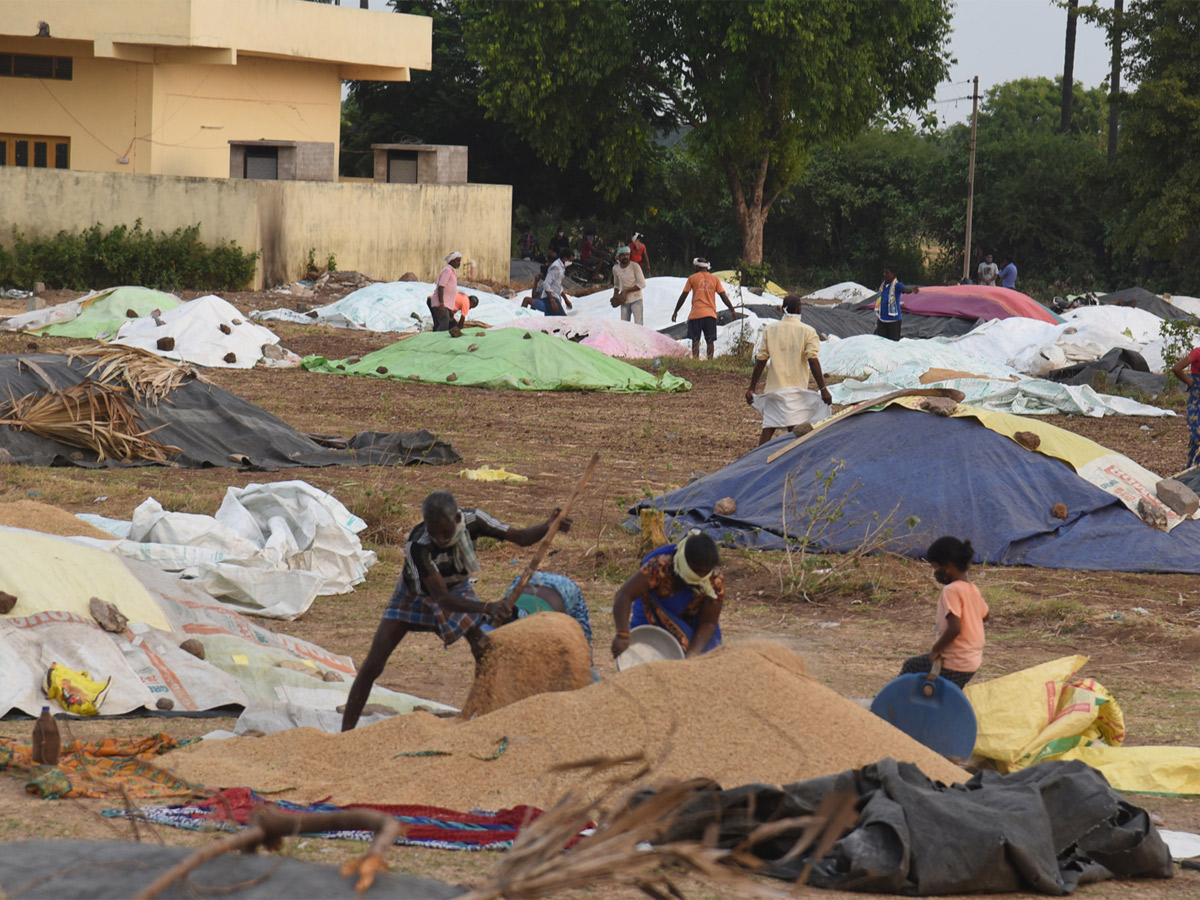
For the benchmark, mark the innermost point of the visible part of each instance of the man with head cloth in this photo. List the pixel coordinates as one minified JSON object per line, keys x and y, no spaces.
{"x":791,"y":348}
{"x":704,"y":287}
{"x":443,"y":298}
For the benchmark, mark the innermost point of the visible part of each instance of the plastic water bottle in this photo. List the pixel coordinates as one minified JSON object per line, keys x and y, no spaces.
{"x":46,"y":740}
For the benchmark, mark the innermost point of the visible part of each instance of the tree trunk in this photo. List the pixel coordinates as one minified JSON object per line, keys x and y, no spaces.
{"x":1068,"y":84}
{"x":750,"y":212}
{"x":1117,"y":37}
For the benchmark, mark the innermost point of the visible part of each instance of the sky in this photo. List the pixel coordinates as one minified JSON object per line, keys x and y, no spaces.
{"x":1001,"y":40}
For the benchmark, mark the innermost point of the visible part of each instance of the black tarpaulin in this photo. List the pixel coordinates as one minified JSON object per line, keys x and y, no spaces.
{"x":1118,"y":366}
{"x":211,"y":426}
{"x":1142,"y":299}
{"x":1049,"y":828}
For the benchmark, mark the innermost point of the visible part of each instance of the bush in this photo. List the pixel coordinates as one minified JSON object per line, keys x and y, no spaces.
{"x":96,"y":258}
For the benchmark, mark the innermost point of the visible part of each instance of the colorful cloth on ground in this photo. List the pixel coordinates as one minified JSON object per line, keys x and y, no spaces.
{"x":425,"y":826}
{"x":572,"y":597}
{"x":671,"y":608}
{"x":422,"y":614}
{"x":104,"y":769}
{"x":1193,"y":420}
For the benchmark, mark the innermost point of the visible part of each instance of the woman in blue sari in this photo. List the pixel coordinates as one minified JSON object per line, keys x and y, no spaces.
{"x":1187,"y":370}
{"x":678,"y":589}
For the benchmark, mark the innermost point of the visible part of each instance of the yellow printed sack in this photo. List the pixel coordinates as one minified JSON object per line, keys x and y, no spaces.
{"x":75,"y":691}
{"x":1041,"y":713}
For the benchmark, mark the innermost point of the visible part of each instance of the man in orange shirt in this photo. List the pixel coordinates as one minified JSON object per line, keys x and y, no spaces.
{"x":702,"y":320}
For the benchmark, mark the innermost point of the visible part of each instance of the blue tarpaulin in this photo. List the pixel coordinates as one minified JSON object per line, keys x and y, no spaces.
{"x":953,"y":474}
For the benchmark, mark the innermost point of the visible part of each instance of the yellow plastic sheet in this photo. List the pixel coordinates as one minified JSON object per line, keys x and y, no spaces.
{"x":483,"y":473}
{"x":1145,"y":770}
{"x":47,"y":574}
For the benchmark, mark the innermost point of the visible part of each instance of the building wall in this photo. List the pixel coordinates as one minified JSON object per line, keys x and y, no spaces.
{"x":383,"y":230}
{"x":170,"y":119}
{"x":104,"y":105}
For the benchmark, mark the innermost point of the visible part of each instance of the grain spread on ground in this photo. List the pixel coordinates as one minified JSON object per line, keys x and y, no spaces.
{"x":47,"y":519}
{"x":744,"y":713}
{"x":535,"y":655}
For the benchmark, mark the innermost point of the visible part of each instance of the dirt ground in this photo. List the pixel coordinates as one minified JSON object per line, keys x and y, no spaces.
{"x":853,"y":638}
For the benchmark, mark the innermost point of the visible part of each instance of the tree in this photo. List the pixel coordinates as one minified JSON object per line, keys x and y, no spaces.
{"x":1068,"y":79}
{"x":756,"y":83}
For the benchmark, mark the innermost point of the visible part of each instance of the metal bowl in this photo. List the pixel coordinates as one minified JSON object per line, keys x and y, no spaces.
{"x":649,"y":643}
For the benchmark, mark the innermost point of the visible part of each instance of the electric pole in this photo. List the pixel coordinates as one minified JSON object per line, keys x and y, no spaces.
{"x":971,"y":176}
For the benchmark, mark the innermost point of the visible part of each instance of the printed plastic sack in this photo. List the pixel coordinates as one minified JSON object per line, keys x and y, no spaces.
{"x":1041,"y":713}
{"x":75,"y":691}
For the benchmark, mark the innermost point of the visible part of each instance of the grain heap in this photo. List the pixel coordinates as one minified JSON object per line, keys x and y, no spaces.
{"x":744,"y":713}
{"x":47,"y":519}
{"x":534,"y":655}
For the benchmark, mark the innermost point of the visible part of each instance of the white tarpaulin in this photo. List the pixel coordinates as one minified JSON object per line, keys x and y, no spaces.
{"x":198,"y":330}
{"x":398,"y":306}
{"x":270,"y":549}
{"x":842,"y":292}
{"x":886,"y":366}
{"x":245,"y":665}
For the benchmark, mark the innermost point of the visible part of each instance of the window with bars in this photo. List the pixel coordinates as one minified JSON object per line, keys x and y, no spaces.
{"x":25,"y":65}
{"x":38,"y":151}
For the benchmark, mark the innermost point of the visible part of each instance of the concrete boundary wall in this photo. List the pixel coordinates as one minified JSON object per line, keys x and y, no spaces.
{"x":382,"y":230}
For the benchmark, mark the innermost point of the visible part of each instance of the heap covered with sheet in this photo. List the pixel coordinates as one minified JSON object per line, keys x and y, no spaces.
{"x":612,"y":337}
{"x":507,"y":358}
{"x":924,"y":475}
{"x":244,"y":665}
{"x":397,"y":306}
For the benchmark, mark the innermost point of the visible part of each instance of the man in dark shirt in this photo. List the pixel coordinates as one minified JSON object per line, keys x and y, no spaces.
{"x":434,"y":591}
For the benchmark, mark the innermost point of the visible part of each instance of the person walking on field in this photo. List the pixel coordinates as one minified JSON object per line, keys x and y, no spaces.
{"x":557,"y":301}
{"x":444,"y":295}
{"x":888,"y":309}
{"x":791,"y":347}
{"x":704,"y":287}
{"x":988,"y":270}
{"x":1008,"y":275}
{"x":639,"y":254}
{"x":628,"y":282}
{"x":434,"y":591}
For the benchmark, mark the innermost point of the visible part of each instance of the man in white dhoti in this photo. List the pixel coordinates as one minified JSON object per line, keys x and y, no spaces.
{"x":791,"y":347}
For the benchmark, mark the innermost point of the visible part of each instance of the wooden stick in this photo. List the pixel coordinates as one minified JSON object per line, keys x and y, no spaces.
{"x":544,"y":545}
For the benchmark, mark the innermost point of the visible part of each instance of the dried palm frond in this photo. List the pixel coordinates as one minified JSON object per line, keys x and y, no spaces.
{"x":626,"y":847}
{"x":148,"y":376}
{"x":90,"y":415}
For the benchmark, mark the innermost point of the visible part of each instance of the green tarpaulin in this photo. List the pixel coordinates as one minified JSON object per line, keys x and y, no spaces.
{"x":105,"y":313}
{"x":501,"y":358}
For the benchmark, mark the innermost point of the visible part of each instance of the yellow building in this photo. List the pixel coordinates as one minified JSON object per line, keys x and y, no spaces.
{"x":211,"y":88}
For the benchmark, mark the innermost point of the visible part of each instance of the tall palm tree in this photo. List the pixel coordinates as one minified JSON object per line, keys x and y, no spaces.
{"x":1068,"y":82}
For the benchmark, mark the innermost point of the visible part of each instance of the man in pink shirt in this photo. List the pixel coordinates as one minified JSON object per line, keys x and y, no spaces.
{"x":443,"y":298}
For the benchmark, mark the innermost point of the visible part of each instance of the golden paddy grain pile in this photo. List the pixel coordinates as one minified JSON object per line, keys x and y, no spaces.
{"x":534,"y":655}
{"x":744,"y":713}
{"x":47,"y":519}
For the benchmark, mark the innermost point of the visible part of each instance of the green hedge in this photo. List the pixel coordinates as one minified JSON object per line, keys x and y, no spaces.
{"x":95,"y":258}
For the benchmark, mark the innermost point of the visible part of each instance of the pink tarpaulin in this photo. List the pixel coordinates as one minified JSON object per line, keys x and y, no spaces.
{"x":611,"y":337}
{"x":975,"y":301}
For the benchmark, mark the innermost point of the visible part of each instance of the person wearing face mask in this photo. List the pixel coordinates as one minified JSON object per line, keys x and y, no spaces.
{"x":679,"y":589}
{"x":434,"y":591}
{"x":961,"y":612}
{"x":988,"y":271}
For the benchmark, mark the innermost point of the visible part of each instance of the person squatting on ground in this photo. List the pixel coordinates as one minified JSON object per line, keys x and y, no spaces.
{"x":628,"y":282}
{"x":1187,"y":370}
{"x":961,"y":612}
{"x":888,"y":310}
{"x":462,"y":305}
{"x":704,"y":287}
{"x":434,"y":591}
{"x":556,"y":300}
{"x":443,"y":296}
{"x":791,"y":347}
{"x":677,"y":588}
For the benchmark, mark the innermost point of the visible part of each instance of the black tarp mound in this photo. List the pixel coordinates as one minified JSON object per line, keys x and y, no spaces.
{"x":115,"y":870}
{"x":1142,"y":299}
{"x":1119,"y":367}
{"x":210,"y":425}
{"x":1049,"y":828}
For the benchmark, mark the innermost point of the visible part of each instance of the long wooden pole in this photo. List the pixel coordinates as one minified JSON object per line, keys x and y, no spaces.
{"x":971,"y":177}
{"x":544,"y":545}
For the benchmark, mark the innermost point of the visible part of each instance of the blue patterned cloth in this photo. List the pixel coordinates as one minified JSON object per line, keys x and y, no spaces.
{"x":573,"y":602}
{"x":1193,"y":420}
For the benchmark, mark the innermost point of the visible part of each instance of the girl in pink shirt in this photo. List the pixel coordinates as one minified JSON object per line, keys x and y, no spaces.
{"x":961,"y":612}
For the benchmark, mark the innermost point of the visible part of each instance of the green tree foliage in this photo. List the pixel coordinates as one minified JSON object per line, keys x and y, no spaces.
{"x":757,"y":83}
{"x":1155,"y":186}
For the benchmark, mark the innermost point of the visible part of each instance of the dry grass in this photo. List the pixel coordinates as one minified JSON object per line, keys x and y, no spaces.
{"x":148,"y":377}
{"x":91,"y":415}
